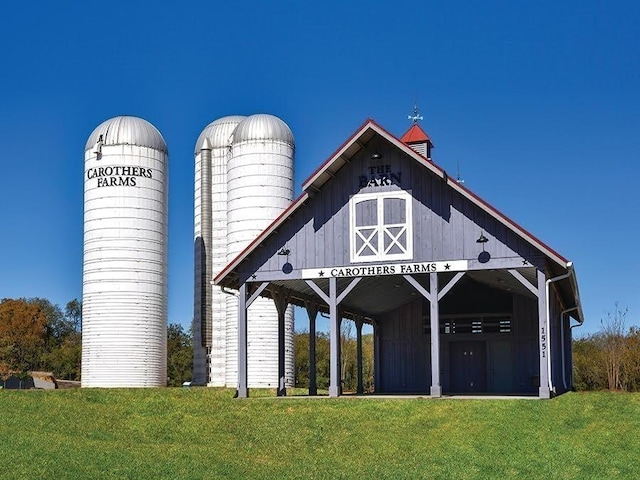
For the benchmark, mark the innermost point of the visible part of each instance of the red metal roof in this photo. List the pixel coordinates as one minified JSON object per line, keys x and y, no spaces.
{"x":415,"y":134}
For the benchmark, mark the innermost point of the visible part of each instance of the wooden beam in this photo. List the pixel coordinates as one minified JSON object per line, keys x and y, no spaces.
{"x":524,"y":281}
{"x":318,"y":290}
{"x":350,"y":287}
{"x":418,"y":287}
{"x":450,"y":285}
{"x":281,"y":299}
{"x":543,"y":335}
{"x":312,"y":312}
{"x":358,"y":321}
{"x":334,"y":340}
{"x":436,"y":389}
{"x":256,"y":293}
{"x":243,"y":390}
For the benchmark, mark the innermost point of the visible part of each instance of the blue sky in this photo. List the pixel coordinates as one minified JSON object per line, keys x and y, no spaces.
{"x":538,"y":103}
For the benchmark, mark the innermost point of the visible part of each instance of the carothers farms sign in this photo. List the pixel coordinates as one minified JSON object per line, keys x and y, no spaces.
{"x":386,"y":269}
{"x":118,"y":176}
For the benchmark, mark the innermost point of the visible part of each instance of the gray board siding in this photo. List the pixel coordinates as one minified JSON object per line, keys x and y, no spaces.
{"x":445,"y":224}
{"x":511,"y":359}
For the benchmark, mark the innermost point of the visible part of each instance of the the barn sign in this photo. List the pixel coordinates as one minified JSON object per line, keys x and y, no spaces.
{"x":379,"y":176}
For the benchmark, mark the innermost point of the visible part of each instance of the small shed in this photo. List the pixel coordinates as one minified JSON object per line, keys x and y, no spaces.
{"x":461,"y":298}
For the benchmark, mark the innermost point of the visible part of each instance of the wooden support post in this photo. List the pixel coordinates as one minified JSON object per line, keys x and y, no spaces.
{"x":281,"y":300}
{"x":243,"y":390}
{"x":334,"y":340}
{"x":312,"y":312}
{"x":376,"y":358}
{"x":360,"y":388}
{"x":436,"y":388}
{"x":543,"y":336}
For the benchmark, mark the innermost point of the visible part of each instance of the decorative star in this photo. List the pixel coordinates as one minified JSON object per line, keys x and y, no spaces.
{"x":447,"y":266}
{"x":253,"y":276}
{"x":524,"y":262}
{"x":321,"y":273}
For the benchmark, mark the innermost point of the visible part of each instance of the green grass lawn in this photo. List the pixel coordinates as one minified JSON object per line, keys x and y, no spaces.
{"x":204,"y":433}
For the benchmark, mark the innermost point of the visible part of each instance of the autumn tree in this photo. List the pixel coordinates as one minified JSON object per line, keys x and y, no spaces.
{"x":23,"y":331}
{"x":610,"y":358}
{"x":36,"y":335}
{"x":589,"y":372}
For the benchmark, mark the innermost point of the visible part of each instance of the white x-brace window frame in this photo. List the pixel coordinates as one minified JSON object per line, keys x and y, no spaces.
{"x":381,"y":231}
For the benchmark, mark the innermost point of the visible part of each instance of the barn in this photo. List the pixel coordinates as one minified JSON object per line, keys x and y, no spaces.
{"x":462,"y":300}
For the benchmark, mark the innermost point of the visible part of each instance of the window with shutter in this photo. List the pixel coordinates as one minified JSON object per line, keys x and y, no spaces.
{"x":380,"y":226}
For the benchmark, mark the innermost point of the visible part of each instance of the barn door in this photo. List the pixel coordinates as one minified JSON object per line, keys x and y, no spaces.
{"x":468,"y":367}
{"x":501,"y":367}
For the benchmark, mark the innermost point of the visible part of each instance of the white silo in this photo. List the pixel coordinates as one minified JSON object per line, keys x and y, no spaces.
{"x":124,"y":285}
{"x":260,"y":187}
{"x":210,"y":315}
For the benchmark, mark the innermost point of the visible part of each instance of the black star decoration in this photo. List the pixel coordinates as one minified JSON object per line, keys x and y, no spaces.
{"x":253,"y":276}
{"x":447,"y":266}
{"x":321,"y":273}
{"x":524,"y":262}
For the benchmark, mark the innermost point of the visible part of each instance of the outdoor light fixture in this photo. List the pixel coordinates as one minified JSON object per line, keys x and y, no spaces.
{"x":376,"y":156}
{"x":484,"y":256}
{"x":287,"y":268}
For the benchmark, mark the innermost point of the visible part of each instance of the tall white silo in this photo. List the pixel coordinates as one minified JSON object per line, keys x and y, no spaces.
{"x":124,"y":284}
{"x":260,"y":187}
{"x":210,"y":314}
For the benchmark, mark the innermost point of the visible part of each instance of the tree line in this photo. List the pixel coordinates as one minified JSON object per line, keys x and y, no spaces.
{"x":348,"y":359}
{"x":610,"y":358}
{"x":37,"y":335}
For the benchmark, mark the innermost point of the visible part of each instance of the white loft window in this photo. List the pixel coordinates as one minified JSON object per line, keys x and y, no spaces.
{"x":380,"y":227}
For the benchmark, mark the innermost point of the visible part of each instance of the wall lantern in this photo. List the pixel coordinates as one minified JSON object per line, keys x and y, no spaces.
{"x":287,"y":268}
{"x":484,"y":256}
{"x":482,"y":240}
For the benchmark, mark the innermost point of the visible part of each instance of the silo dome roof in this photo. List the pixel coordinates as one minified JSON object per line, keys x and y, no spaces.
{"x":263,"y":127}
{"x":127,"y":130}
{"x":219,"y":132}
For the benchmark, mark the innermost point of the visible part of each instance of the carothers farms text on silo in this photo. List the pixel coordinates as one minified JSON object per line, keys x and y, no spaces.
{"x":124,"y":176}
{"x":124,"y":280}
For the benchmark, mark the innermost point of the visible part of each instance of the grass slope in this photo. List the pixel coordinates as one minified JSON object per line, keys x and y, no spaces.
{"x":204,"y":433}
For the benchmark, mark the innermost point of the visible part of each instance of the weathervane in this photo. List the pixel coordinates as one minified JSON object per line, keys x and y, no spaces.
{"x":416,"y":116}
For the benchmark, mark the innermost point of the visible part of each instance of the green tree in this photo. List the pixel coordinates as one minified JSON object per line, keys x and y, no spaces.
{"x":73,"y":314}
{"x":179,"y":355}
{"x":348,"y":359}
{"x":63,"y":352}
{"x":301,"y":362}
{"x":301,"y":359}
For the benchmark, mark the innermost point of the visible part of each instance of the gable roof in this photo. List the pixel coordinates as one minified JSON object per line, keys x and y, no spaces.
{"x":346,"y":151}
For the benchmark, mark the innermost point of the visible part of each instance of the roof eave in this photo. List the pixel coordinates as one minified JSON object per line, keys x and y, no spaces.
{"x":297,"y":203}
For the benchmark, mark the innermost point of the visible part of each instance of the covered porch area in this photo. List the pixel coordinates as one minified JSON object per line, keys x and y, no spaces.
{"x":476,"y":331}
